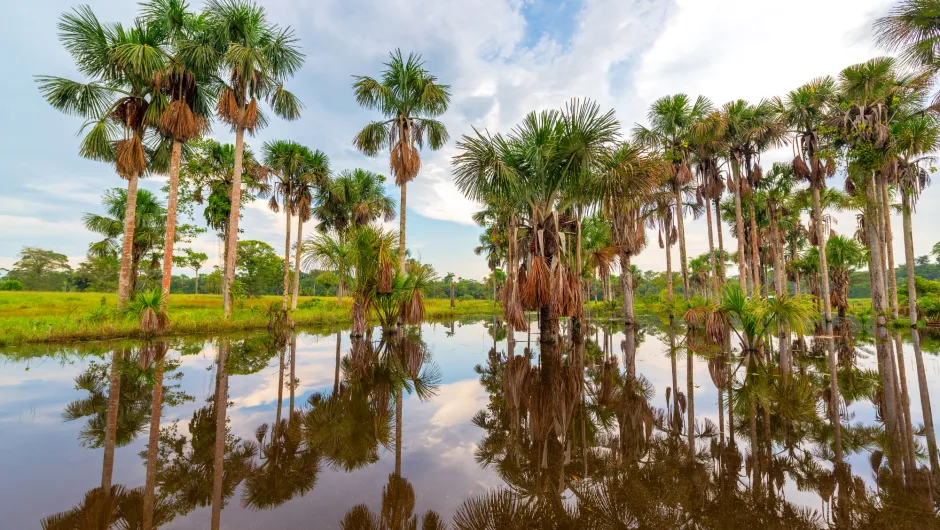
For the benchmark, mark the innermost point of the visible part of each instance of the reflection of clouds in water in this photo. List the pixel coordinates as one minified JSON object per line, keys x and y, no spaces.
{"x":458,"y":402}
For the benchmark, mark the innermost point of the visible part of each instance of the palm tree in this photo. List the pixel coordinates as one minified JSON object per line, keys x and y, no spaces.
{"x":306,"y":188}
{"x":295,"y":168}
{"x":631,"y":177}
{"x":844,"y":256}
{"x":911,"y":28}
{"x":807,"y":111}
{"x":257,"y":58}
{"x":530,"y":175}
{"x":120,"y":104}
{"x":708,"y":145}
{"x":187,"y":88}
{"x":409,"y":99}
{"x":493,"y":245}
{"x":330,"y":252}
{"x":353,"y":199}
{"x":672,"y":119}
{"x":150,"y":218}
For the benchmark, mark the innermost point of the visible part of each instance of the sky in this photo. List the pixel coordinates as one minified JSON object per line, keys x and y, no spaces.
{"x":502,"y":58}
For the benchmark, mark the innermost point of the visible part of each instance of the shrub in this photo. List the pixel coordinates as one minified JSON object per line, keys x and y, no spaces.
{"x":11,"y":285}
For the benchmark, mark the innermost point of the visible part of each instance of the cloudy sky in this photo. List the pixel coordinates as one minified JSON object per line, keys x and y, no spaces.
{"x":503,"y":58}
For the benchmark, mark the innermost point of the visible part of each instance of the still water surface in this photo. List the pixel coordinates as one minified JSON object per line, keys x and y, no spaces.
{"x":479,"y":420}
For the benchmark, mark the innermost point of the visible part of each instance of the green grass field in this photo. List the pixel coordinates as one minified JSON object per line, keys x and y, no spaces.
{"x":30,"y":317}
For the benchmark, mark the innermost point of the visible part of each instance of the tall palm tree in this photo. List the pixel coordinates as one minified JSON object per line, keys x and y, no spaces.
{"x":120,"y":104}
{"x":306,"y":189}
{"x":493,"y":244}
{"x":187,"y":86}
{"x":808,"y":111}
{"x":911,"y":28}
{"x":409,"y":99}
{"x":631,"y":177}
{"x":257,"y":58}
{"x":150,"y":219}
{"x":295,"y":168}
{"x":672,"y":120}
{"x":708,"y":146}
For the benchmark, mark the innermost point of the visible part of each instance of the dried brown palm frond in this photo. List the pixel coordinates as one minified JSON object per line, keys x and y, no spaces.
{"x":830,"y":166}
{"x":560,"y":296}
{"x":154,"y":322}
{"x":227,"y":107}
{"x":757,"y":174}
{"x":800,"y":169}
{"x":576,"y":303}
{"x":661,"y":243}
{"x":249,"y":116}
{"x":130,"y":112}
{"x":414,"y":308}
{"x":683,"y":174}
{"x":538,"y":286}
{"x":405,"y":162}
{"x":130,"y":158}
{"x":181,"y":123}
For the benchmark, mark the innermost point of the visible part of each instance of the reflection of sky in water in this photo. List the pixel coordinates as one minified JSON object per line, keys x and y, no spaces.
{"x":44,"y":469}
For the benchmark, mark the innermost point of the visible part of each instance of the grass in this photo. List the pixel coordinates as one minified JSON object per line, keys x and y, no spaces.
{"x":34,"y":317}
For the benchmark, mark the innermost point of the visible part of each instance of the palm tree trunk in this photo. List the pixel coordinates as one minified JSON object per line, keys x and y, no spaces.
{"x":739,"y":222}
{"x":721,"y":244}
{"x":280,"y":391}
{"x":125,"y":281}
{"x":452,"y":301}
{"x":711,"y":252}
{"x":626,"y":283}
{"x":926,"y":410}
{"x":197,"y":282}
{"x":285,"y":299}
{"x":232,"y":235}
{"x":780,"y":289}
{"x":905,"y":403}
{"x":669,"y":288}
{"x":823,"y":262}
{"x":218,"y":457}
{"x":336,"y":373}
{"x":114,"y":398}
{"x":293,"y":371}
{"x":755,"y":244}
{"x":690,"y":385}
{"x":909,"y":259}
{"x":889,"y":247}
{"x":398,"y":422}
{"x":175,"y":157}
{"x":684,"y":265}
{"x":401,"y":227}
{"x":296,"y":289}
{"x":339,"y":291}
{"x":153,"y":444}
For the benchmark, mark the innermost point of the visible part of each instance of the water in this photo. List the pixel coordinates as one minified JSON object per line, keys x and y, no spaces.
{"x":335,"y":457}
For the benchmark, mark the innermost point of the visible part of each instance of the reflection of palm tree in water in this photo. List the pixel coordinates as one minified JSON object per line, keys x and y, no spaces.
{"x":397,"y":512}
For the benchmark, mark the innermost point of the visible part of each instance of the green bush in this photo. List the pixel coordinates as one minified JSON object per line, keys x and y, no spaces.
{"x":11,"y":285}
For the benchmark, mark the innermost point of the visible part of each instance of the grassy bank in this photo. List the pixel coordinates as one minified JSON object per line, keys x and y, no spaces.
{"x":30,"y":317}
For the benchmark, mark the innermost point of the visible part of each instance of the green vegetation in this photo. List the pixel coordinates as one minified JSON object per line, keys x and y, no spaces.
{"x":64,"y":317}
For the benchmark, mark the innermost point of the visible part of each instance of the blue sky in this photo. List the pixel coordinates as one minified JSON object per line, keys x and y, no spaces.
{"x":503,"y":58}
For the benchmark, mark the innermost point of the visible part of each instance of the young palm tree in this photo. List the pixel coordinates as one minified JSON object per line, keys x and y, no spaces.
{"x":293,"y":166}
{"x":187,"y":88}
{"x":120,"y":104}
{"x":410,"y":99}
{"x":708,"y":146}
{"x":257,"y":58}
{"x":333,"y":253}
{"x":845,"y":255}
{"x":672,"y":120}
{"x":149,"y":228}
